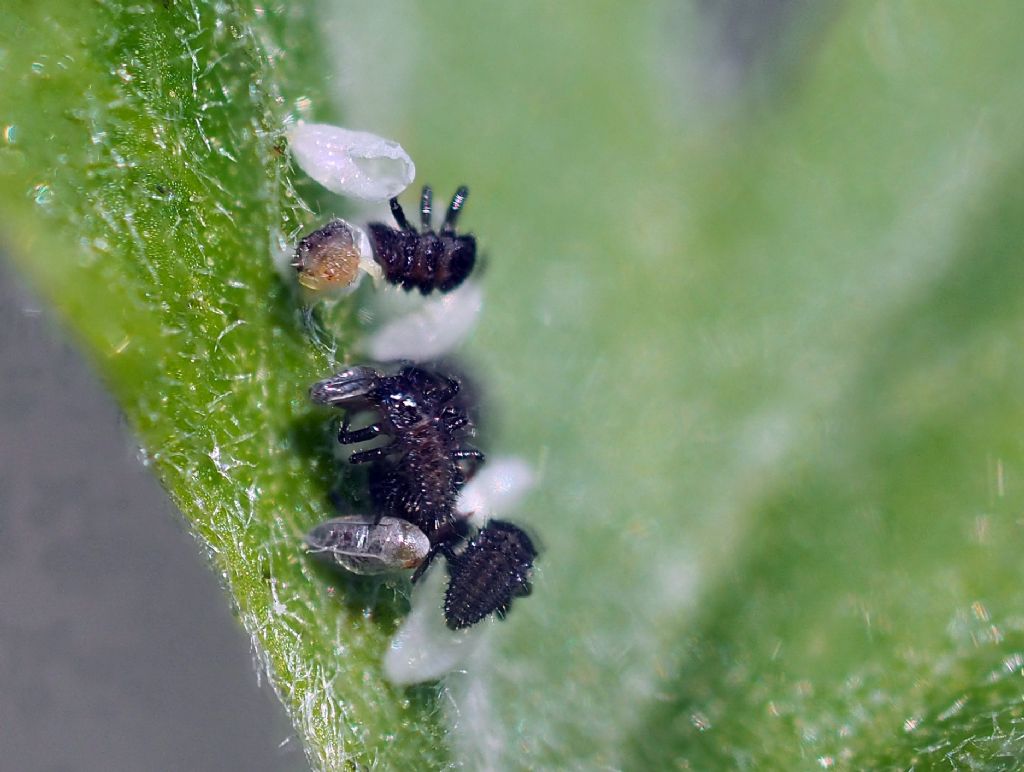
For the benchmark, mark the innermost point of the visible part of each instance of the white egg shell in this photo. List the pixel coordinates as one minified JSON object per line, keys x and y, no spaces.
{"x":496,"y":489}
{"x":434,"y":329}
{"x":424,"y":649}
{"x":351,"y":163}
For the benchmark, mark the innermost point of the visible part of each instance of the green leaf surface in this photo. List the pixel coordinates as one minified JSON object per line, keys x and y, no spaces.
{"x":764,"y":352}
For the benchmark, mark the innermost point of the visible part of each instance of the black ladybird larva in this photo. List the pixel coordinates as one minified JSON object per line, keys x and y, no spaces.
{"x":425,"y":260}
{"x":488,"y":574}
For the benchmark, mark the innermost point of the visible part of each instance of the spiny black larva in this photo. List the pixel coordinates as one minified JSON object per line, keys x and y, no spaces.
{"x":488,"y":574}
{"x":417,"y":476}
{"x":423,"y":259}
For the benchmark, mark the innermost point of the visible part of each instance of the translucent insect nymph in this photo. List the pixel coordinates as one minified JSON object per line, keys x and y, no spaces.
{"x":369,"y":545}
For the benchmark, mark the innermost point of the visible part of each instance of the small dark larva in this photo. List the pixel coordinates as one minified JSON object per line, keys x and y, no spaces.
{"x":424,"y":260}
{"x":488,"y":574}
{"x":418,"y":475}
{"x":367,"y":545}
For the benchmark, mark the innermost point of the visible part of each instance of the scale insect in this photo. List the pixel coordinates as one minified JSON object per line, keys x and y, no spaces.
{"x":425,"y":260}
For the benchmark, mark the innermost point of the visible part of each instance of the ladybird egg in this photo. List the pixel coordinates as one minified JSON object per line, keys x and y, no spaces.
{"x":434,"y":329}
{"x":351,"y":163}
{"x":496,"y":489}
{"x":424,"y":648}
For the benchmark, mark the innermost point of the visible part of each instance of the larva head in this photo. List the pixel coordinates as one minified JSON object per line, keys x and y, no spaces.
{"x":353,"y":385}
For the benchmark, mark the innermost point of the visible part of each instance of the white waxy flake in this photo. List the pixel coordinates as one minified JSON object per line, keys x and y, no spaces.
{"x":496,"y":489}
{"x":424,"y":649}
{"x":434,"y":329}
{"x":351,"y":163}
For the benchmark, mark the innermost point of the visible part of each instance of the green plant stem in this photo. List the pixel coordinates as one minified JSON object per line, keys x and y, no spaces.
{"x":146,"y":192}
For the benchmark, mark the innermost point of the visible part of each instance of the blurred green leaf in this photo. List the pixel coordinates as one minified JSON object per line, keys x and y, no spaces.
{"x":765,"y":353}
{"x":767,"y":357}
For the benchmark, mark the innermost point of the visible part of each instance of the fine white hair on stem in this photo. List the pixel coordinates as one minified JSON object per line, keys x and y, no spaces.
{"x":434,"y":329}
{"x":496,"y":489}
{"x":424,"y":649}
{"x":351,"y":163}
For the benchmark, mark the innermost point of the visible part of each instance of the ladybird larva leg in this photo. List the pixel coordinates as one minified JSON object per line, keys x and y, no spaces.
{"x":454,"y":208}
{"x":444,"y":540}
{"x":422,"y":569}
{"x":450,"y":390}
{"x":426,"y":208}
{"x":469,"y":461}
{"x":399,"y":215}
{"x":472,"y":458}
{"x":365,"y":456}
{"x":349,"y":437}
{"x":454,"y":421}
